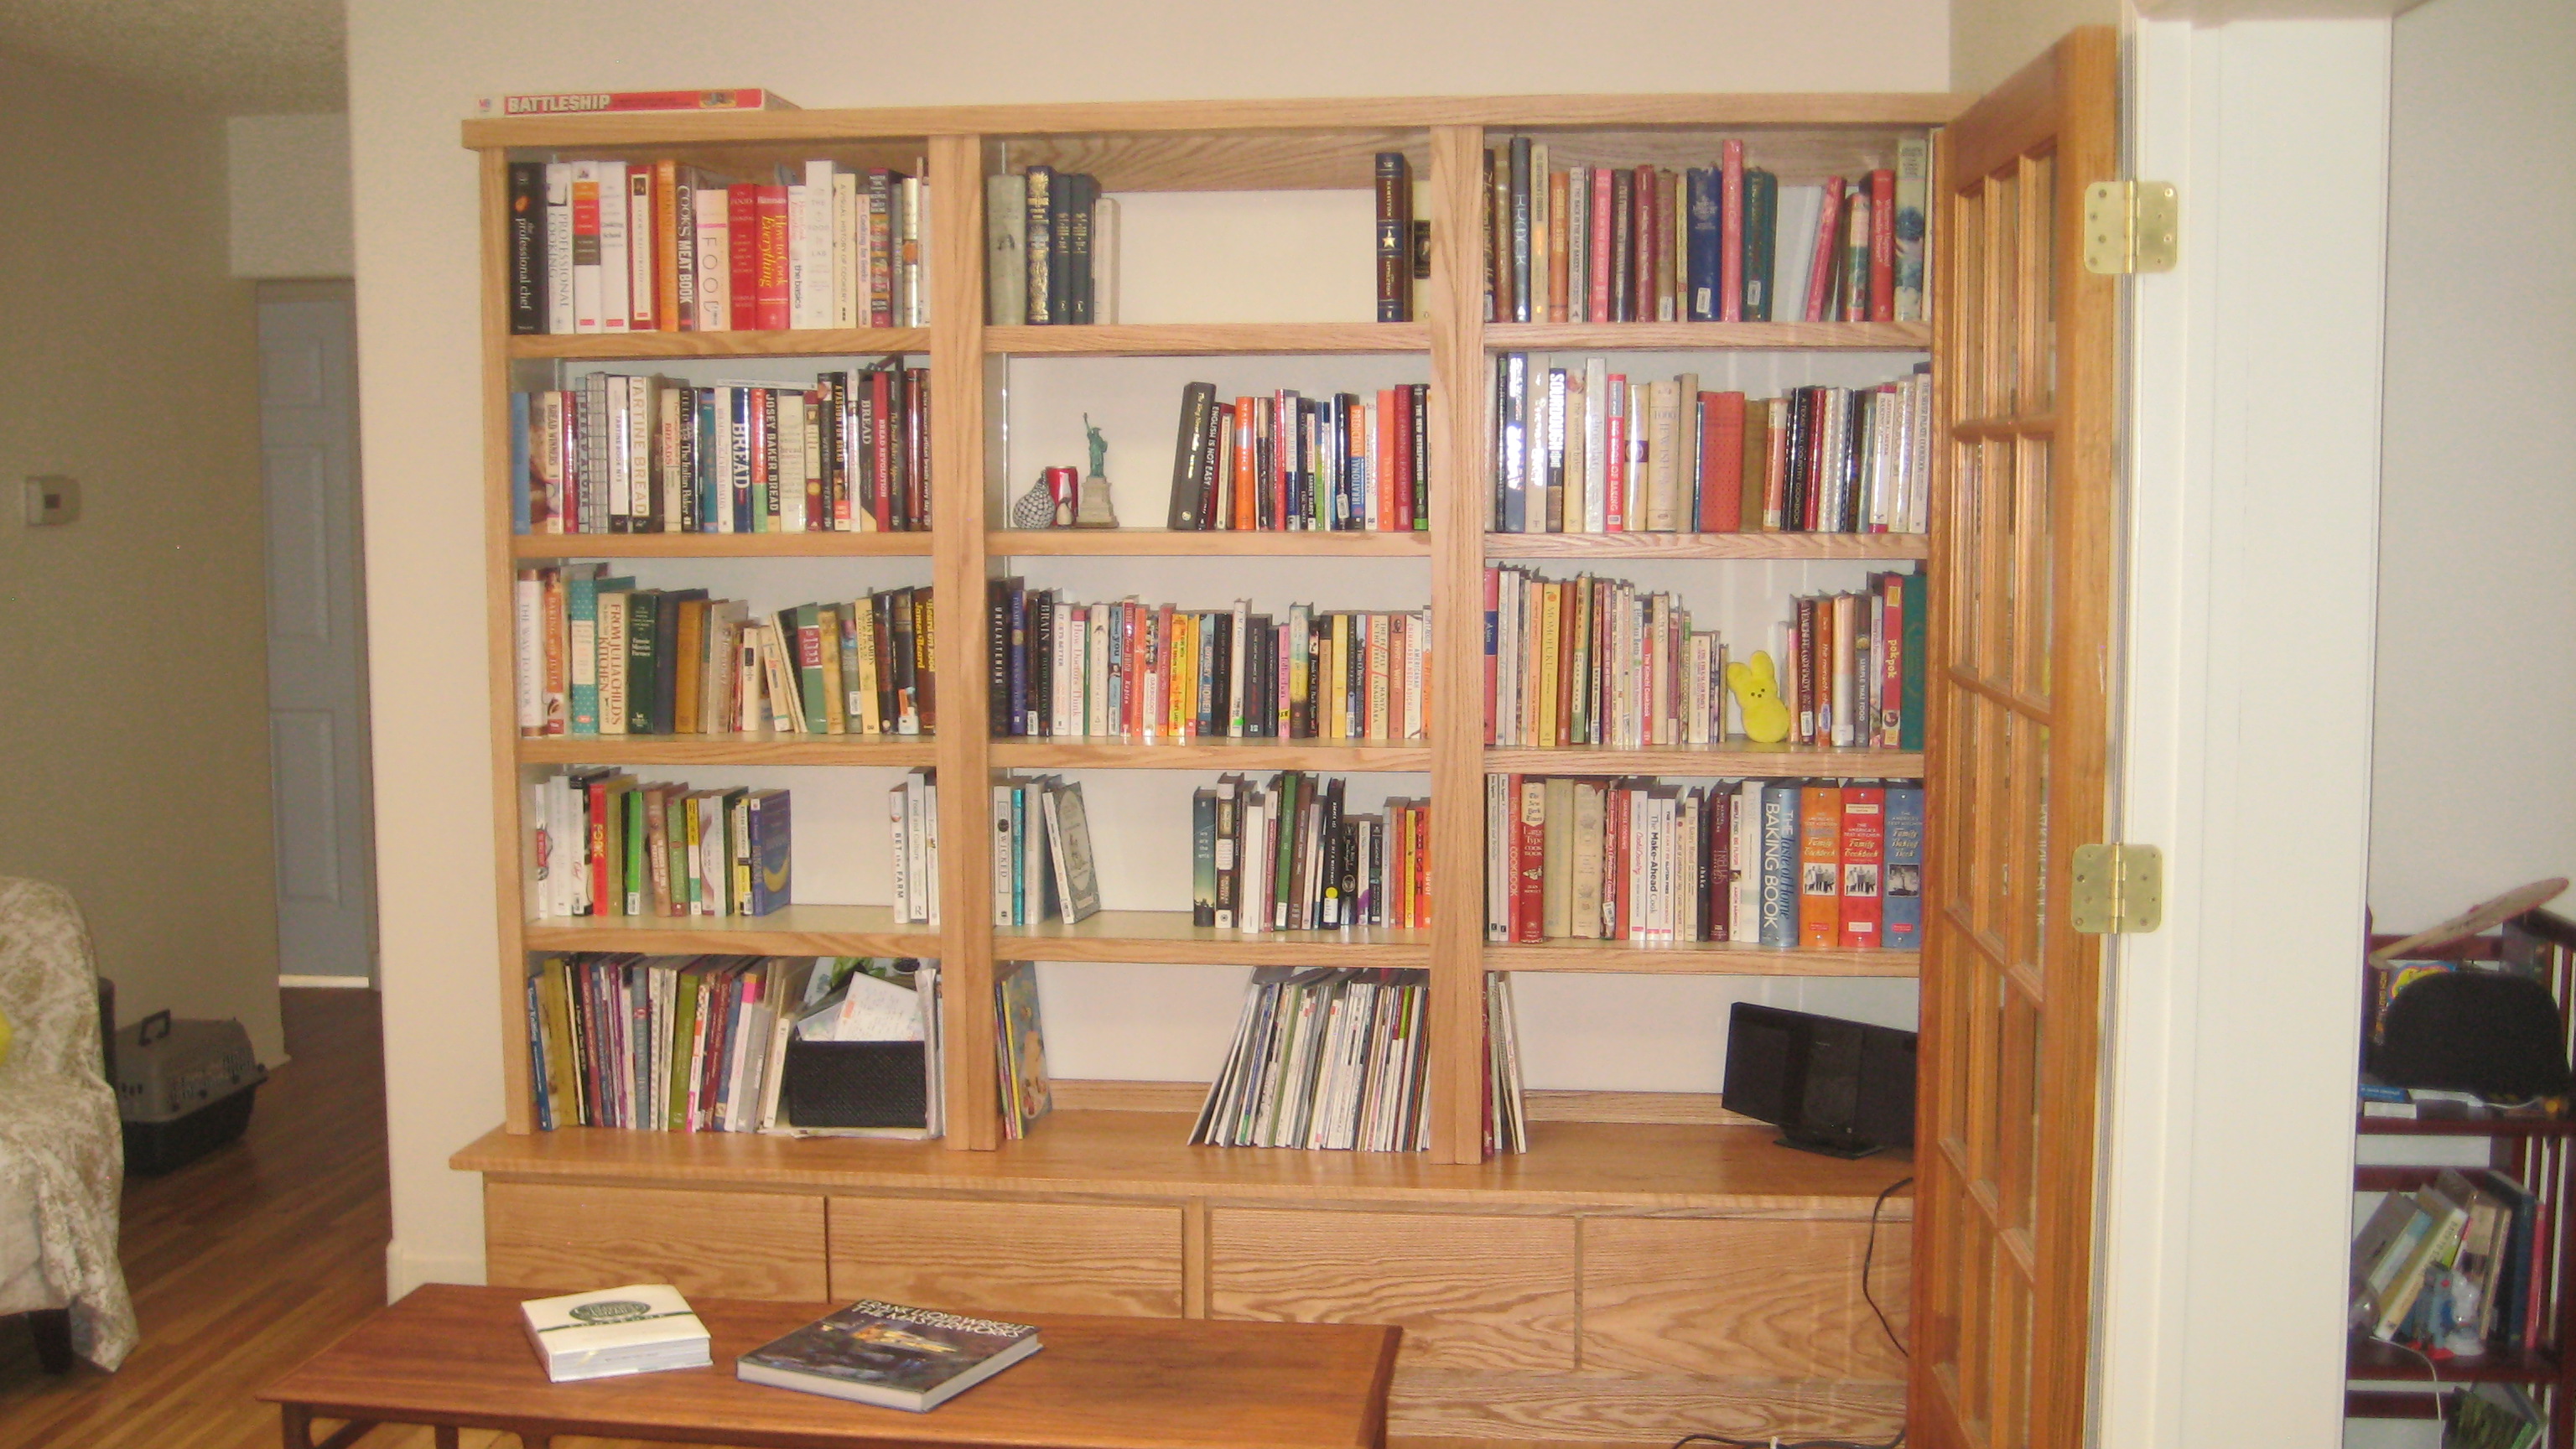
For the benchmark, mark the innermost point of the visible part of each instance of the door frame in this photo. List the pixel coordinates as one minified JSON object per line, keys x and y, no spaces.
{"x":2252,"y":557}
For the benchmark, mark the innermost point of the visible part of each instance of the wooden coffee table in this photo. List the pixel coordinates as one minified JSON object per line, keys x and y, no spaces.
{"x":456,"y":1358}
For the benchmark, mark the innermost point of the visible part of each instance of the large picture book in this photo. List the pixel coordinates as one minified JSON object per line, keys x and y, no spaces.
{"x":889,"y":1355}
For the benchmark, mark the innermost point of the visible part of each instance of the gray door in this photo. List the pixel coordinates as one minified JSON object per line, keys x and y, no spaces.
{"x":317,"y":649}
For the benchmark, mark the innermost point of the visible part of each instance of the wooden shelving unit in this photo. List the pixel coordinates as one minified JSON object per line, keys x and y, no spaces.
{"x":1536,"y":1288}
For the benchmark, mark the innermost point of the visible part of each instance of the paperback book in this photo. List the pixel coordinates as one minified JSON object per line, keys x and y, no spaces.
{"x":889,"y":1355}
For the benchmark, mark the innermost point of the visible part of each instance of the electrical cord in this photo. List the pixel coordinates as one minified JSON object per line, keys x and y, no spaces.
{"x":2440,"y":1416}
{"x":1868,"y":1254}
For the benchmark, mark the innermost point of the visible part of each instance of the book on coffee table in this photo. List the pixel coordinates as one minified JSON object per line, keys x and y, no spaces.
{"x":889,"y":1355}
{"x":641,"y":1328}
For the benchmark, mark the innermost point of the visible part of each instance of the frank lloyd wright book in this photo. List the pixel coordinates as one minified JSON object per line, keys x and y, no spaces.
{"x":640,"y":1328}
{"x":889,"y":1355}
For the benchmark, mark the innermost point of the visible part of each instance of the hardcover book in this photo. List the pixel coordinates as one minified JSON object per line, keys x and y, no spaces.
{"x":889,"y":1355}
{"x":640,"y":1328}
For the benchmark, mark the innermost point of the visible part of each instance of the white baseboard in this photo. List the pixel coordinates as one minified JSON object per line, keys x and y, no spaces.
{"x":406,"y":1271}
{"x":346,"y":983}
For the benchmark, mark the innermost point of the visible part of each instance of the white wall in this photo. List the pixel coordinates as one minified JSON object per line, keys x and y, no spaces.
{"x":414,"y":71}
{"x":133,"y":644}
{"x":2473,"y":790}
{"x":290,"y":195}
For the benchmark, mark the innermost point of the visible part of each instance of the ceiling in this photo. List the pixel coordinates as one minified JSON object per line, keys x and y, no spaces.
{"x":236,"y":57}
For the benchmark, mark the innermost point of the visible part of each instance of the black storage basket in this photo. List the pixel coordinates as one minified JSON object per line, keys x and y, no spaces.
{"x":854,"y":1084}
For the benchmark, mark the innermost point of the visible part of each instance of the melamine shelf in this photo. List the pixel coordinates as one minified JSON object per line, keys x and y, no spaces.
{"x":1219,"y":543}
{"x":1738,"y":758}
{"x":2371,"y":1358}
{"x":1167,"y":937}
{"x":1709,"y":336}
{"x":743,"y":747}
{"x":1206,"y":339}
{"x":1212,"y":754}
{"x":1584,"y":547}
{"x":719,"y":545}
{"x":1699,"y":958}
{"x":788,"y":931}
{"x":1595,"y":1166}
{"x":807,"y":342}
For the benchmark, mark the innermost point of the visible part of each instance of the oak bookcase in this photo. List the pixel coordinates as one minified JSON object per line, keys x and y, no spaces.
{"x":1652,"y":1265}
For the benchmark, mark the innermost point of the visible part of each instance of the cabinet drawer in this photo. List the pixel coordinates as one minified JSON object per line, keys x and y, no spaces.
{"x":1742,"y":1298}
{"x":1005,"y":1258}
{"x":1470,"y":1292}
{"x":717,"y":1244}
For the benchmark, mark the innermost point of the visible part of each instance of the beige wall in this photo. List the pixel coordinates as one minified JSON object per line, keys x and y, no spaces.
{"x":2472,"y":788}
{"x":133,"y":704}
{"x":1990,"y":39}
{"x":290,"y":195}
{"x":415,"y":70}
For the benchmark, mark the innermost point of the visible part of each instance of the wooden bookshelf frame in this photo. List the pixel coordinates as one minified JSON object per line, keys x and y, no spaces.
{"x":1175,"y":146}
{"x":1664,"y":1188}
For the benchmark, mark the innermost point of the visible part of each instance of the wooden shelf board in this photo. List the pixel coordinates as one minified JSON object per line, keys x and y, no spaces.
{"x":1700,"y":336}
{"x":1700,"y":958}
{"x":1120,"y":754}
{"x":1639,"y":1167}
{"x":2465,"y":1126}
{"x":1168,"y":937}
{"x":748,"y":747}
{"x":807,"y":342}
{"x":1220,"y":543}
{"x":1206,"y":339}
{"x":1587,"y":546}
{"x":1736,"y":758}
{"x":789,"y":931}
{"x":718,"y":545}
{"x":908,"y":124}
{"x":2369,"y":1358}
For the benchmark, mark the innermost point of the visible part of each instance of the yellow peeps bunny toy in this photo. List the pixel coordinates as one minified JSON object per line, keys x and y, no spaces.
{"x":1757,"y":692}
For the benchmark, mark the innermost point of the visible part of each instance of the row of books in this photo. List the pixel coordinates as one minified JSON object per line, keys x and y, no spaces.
{"x":1715,"y":243}
{"x":1042,"y":863}
{"x":1588,"y":450}
{"x":599,"y":656}
{"x":700,"y":1043}
{"x":1332,"y":1059}
{"x":602,"y":843}
{"x":1594,"y":662}
{"x":625,"y":453}
{"x":1153,"y":671}
{"x":664,"y":246}
{"x":1292,"y":857}
{"x":2456,"y":1267}
{"x":1762,"y":862}
{"x":1345,"y":463}
{"x":1051,"y":243}
{"x":912,"y":815}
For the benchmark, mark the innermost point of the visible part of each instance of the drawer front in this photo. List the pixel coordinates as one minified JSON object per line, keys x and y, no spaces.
{"x":1470,"y":1292}
{"x":716,"y":1244}
{"x":1005,"y":1258}
{"x":1743,"y":1298}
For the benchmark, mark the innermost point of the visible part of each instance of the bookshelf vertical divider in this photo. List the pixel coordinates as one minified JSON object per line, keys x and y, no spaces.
{"x":500,"y":654}
{"x":1457,"y":1086}
{"x":959,"y":568}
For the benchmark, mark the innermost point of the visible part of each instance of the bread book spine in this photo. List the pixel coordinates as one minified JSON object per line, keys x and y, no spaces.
{"x":527,"y":202}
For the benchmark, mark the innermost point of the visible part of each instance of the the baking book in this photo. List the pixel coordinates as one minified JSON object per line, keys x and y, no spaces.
{"x":889,"y":1355}
{"x":640,"y":1328}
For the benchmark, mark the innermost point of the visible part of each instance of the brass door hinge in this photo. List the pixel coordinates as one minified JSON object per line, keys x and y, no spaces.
{"x":2119,"y":889}
{"x":2130,"y":226}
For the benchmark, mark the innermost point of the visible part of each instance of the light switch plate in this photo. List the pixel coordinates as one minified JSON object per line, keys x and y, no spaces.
{"x":52,"y":500}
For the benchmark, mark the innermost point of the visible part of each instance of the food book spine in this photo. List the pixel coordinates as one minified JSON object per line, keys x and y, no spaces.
{"x":527,"y":202}
{"x":1864,"y":852}
{"x":1820,"y":828}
